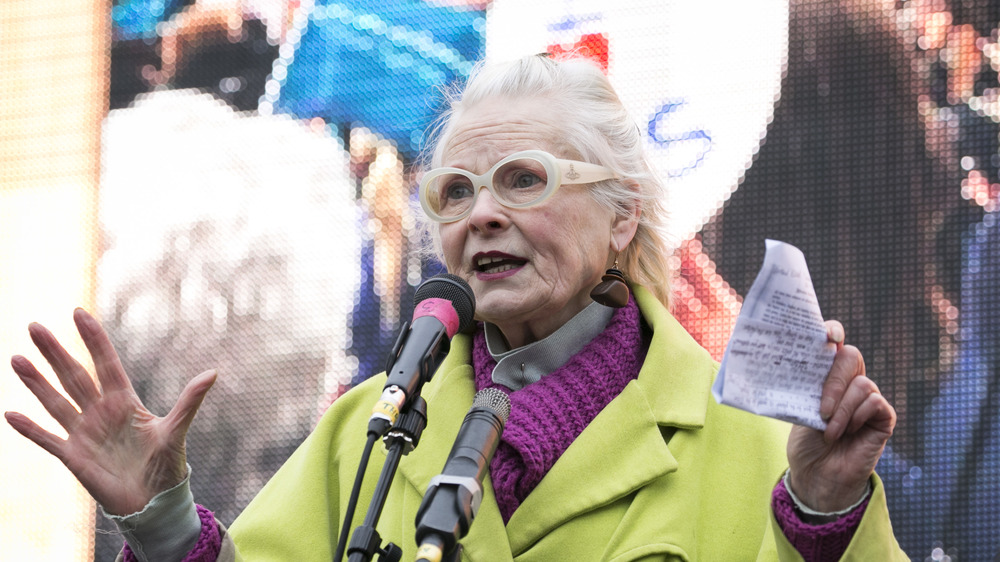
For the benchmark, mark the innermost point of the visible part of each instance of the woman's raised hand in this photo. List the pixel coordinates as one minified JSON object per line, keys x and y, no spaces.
{"x":830,"y":469}
{"x":121,"y":453}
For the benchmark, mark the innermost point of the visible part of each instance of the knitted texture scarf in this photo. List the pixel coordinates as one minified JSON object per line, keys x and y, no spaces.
{"x":547,"y":415}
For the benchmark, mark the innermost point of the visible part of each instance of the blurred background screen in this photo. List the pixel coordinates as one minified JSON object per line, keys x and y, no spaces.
{"x":231,"y":184}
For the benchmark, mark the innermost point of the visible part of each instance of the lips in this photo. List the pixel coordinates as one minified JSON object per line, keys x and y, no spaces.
{"x":496,"y":262}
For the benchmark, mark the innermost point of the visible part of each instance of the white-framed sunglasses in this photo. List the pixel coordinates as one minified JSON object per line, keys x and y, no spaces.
{"x":523,"y":179}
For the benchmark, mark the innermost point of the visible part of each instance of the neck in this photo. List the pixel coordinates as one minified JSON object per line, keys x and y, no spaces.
{"x":518,"y":333}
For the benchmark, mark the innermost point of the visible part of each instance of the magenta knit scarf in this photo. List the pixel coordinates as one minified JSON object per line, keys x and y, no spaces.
{"x":547,"y":415}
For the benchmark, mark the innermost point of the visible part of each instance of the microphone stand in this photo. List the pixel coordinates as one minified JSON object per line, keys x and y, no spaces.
{"x":436,"y":552}
{"x":401,"y":439}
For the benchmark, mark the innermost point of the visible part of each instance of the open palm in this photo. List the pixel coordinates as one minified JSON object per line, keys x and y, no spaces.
{"x":119,"y":451}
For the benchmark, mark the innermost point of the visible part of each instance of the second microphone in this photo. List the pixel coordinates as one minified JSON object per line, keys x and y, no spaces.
{"x":453,"y":497}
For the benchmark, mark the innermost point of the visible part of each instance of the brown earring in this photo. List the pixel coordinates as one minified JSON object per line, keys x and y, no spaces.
{"x":612,"y":290}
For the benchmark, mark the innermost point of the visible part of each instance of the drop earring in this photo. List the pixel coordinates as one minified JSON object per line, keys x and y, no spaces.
{"x":612,"y":290}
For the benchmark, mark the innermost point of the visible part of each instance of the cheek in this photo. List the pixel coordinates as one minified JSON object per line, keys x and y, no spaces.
{"x":452,"y":240}
{"x":579,"y":238}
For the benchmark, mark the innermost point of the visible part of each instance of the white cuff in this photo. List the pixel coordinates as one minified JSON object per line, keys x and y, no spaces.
{"x":166,"y":529}
{"x":833,"y":514}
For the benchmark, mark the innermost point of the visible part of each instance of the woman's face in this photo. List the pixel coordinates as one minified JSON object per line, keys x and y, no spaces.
{"x":531,"y":269}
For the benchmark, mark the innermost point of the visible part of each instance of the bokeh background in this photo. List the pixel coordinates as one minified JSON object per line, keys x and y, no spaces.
{"x":230,"y":184}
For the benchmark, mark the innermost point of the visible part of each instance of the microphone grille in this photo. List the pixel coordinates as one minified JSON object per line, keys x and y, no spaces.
{"x":451,"y":288}
{"x":494,"y":399}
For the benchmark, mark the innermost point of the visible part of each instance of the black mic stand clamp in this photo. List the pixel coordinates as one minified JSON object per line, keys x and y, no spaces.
{"x":438,"y":537}
{"x":402,"y":438}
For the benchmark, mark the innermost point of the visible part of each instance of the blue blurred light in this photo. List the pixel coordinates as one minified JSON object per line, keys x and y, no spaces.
{"x":381,"y":65}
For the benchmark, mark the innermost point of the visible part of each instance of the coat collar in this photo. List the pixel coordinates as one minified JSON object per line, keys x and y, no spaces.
{"x":672,"y":391}
{"x":677,"y":375}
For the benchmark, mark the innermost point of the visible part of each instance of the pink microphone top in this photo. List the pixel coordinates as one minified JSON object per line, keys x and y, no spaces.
{"x":443,"y":310}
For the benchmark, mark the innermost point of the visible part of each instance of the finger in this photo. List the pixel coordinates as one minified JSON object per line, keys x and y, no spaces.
{"x":875,"y":413}
{"x":36,"y":434}
{"x":55,"y":403}
{"x":847,"y":364}
{"x":72,"y":375}
{"x":858,"y":391}
{"x":109,"y":367}
{"x":183,"y":412}
{"x":835,"y":333}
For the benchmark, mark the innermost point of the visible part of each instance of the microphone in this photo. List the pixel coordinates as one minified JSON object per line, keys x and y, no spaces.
{"x":443,"y":306}
{"x":453,"y":497}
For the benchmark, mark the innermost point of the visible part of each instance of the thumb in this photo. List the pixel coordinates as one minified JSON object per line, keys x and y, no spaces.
{"x":183,"y":412}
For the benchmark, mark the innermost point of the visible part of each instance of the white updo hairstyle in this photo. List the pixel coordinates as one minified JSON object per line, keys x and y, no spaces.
{"x":596,"y":126}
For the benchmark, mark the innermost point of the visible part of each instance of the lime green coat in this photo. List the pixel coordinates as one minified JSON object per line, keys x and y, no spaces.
{"x":662,"y":473}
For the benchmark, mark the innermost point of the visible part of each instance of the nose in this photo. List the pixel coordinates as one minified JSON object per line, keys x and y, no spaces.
{"x":487,"y":214}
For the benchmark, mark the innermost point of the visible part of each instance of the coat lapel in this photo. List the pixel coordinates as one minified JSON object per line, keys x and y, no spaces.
{"x":624,"y":448}
{"x":619,"y":452}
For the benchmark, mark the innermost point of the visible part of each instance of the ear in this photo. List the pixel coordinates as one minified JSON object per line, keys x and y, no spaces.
{"x":624,"y":226}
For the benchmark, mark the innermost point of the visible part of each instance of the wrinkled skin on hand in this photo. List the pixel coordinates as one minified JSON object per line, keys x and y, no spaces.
{"x":829,"y":470}
{"x":119,"y":451}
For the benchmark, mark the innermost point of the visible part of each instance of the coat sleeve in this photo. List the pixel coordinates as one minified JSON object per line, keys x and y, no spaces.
{"x":227,"y":552}
{"x":297,"y":514}
{"x":873,"y":539}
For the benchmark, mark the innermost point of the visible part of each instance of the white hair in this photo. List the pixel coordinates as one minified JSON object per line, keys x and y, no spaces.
{"x":597,"y":127}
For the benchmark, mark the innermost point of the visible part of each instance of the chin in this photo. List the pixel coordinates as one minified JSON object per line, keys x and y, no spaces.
{"x":496,"y":308}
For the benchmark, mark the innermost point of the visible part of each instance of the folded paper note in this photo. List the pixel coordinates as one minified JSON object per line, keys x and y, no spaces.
{"x":778,"y":356}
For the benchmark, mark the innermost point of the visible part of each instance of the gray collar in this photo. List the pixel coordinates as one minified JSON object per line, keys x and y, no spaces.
{"x":517,"y":368}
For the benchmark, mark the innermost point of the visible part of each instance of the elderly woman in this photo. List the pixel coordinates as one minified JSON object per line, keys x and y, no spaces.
{"x":538,"y":194}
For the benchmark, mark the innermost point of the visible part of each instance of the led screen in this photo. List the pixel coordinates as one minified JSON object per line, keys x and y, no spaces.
{"x":256,"y":204}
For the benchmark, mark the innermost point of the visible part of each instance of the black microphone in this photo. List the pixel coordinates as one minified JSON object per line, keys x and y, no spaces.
{"x":453,"y":497}
{"x":444,"y":305}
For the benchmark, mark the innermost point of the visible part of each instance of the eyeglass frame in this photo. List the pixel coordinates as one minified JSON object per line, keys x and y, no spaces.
{"x":578,"y":172}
